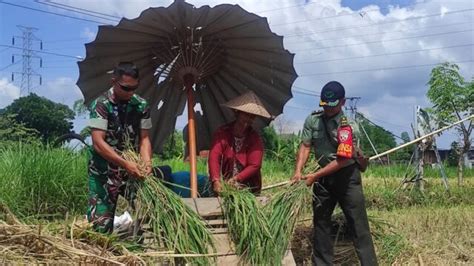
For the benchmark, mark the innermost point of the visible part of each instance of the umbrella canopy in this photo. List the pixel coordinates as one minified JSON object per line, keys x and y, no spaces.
{"x":222,"y":52}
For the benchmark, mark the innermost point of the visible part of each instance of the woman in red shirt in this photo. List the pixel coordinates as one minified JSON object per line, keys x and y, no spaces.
{"x":237,"y":149}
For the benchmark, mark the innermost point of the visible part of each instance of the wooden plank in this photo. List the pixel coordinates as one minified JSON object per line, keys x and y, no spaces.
{"x":223,"y":244}
{"x":206,"y":207}
{"x":216,"y":223}
{"x":288,"y":260}
{"x":219,"y":230}
{"x":228,"y":260}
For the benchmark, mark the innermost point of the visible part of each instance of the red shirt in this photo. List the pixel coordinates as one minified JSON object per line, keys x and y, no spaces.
{"x":222,"y":156}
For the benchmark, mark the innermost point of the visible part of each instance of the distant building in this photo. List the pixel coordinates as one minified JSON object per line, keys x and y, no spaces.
{"x":468,"y":157}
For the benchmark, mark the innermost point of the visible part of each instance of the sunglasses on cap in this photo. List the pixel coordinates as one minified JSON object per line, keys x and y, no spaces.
{"x":128,"y":88}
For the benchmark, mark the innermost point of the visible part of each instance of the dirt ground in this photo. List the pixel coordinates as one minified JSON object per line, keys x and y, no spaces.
{"x":301,"y":244}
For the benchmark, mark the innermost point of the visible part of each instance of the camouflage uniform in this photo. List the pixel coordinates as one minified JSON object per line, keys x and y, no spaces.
{"x":343,"y":187}
{"x":122,"y":123}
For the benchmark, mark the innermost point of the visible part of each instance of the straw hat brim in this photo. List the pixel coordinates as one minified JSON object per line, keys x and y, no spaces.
{"x":248,"y":103}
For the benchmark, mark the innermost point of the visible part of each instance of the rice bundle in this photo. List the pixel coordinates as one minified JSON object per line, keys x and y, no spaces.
{"x":175,"y":224}
{"x":283,"y":212}
{"x":248,"y":227}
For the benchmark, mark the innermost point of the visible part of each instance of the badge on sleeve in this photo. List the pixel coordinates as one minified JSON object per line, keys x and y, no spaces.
{"x":344,"y":139}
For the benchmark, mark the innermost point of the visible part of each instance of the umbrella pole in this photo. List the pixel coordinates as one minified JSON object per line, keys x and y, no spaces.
{"x":189,"y":81}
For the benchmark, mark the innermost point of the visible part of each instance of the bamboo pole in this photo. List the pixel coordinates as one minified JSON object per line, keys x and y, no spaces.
{"x":420,"y":138}
{"x":188,"y":82}
{"x":391,"y":150}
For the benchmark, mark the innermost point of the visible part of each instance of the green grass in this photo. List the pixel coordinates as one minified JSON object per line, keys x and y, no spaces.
{"x":41,"y":181}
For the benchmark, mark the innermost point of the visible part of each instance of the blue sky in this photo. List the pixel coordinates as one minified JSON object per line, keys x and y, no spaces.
{"x":388,"y":96}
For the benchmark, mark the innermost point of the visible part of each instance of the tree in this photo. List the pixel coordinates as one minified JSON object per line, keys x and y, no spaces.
{"x":82,"y":110}
{"x":452,"y":99}
{"x":405,"y":137}
{"x":381,"y":138}
{"x":12,"y":131}
{"x":50,"y":119}
{"x":453,"y":155}
{"x":404,"y":154}
{"x":270,"y":138}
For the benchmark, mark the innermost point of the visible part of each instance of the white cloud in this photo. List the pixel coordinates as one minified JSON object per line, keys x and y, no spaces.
{"x":8,"y":92}
{"x":62,"y":89}
{"x":388,"y":93}
{"x":88,"y":33}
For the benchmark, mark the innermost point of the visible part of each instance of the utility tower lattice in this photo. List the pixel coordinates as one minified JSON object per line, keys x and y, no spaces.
{"x":28,"y":54}
{"x":352,"y":106}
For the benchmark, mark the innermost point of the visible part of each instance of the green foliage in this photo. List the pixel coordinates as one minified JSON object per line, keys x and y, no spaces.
{"x":449,"y":93}
{"x":11,"y":131}
{"x":173,"y":147}
{"x":453,"y":98}
{"x":50,"y":119}
{"x":453,"y":155}
{"x":38,"y":180}
{"x":80,"y":108}
{"x":405,"y":136}
{"x":270,"y":138}
{"x":381,"y":138}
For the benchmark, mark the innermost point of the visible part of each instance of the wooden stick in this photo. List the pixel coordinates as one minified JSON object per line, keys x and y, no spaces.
{"x":189,"y":81}
{"x":420,"y":138}
{"x":391,"y":150}
{"x":275,"y":185}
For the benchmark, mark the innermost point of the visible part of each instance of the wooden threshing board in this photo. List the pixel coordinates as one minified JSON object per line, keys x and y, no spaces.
{"x":211,"y":211}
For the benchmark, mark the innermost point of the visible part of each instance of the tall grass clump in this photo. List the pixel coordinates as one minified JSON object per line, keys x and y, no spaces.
{"x":248,"y":226}
{"x":284,"y":210}
{"x":175,"y":225}
{"x":43,"y":181}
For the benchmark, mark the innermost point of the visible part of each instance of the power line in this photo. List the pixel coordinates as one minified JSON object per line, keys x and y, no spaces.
{"x":360,"y":13}
{"x":381,"y":23}
{"x":44,"y":52}
{"x":305,"y":93}
{"x":379,"y":69}
{"x":384,"y":32}
{"x":384,"y":41}
{"x":73,"y":9}
{"x":49,"y":12}
{"x":384,"y":54}
{"x":7,"y":66}
{"x":299,"y":107}
{"x":66,"y":40}
{"x":370,"y":122}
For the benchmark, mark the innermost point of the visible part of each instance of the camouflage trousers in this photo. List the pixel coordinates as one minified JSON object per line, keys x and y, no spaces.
{"x":104,"y":190}
{"x":106,"y":184}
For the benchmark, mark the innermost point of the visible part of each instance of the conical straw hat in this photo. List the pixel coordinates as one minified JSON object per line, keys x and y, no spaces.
{"x":249,"y":103}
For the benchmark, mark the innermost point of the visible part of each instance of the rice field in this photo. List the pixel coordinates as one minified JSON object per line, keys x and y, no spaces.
{"x":434,"y":227}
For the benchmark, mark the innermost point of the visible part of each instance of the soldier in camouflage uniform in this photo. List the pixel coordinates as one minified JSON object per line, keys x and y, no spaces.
{"x":337,"y":181}
{"x":119,"y":120}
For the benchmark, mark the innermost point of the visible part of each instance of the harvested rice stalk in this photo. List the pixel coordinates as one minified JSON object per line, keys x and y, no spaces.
{"x":176,"y":225}
{"x":247,"y":225}
{"x":284,"y":210}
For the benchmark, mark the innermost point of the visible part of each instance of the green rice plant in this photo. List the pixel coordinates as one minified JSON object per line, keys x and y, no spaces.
{"x":284,"y":210}
{"x":40,"y":181}
{"x":248,"y":226}
{"x":175,"y":225}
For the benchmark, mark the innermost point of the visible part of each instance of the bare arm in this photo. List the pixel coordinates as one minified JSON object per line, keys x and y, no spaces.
{"x":329,"y":169}
{"x":109,"y":154}
{"x":145,"y":149}
{"x":301,"y":159}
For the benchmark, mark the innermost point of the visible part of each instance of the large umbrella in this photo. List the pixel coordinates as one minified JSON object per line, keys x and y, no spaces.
{"x":188,"y":54}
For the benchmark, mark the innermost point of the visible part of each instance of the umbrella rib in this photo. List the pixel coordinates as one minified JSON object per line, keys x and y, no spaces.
{"x":275,"y":66}
{"x":240,"y":25}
